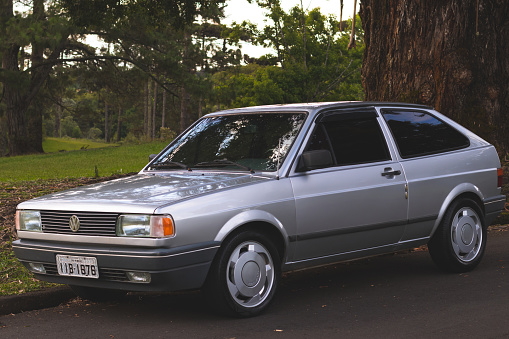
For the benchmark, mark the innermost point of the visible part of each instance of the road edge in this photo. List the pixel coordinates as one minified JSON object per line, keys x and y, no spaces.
{"x":35,"y":300}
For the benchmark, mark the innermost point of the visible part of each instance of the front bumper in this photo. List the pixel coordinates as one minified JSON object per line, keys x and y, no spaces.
{"x":171,"y":269}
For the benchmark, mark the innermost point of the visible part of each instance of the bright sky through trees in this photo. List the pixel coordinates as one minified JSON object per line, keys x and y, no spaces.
{"x":240,"y":10}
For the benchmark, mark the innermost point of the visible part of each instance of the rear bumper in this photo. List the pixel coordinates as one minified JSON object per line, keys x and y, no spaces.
{"x":170,"y":269}
{"x":493,"y":207}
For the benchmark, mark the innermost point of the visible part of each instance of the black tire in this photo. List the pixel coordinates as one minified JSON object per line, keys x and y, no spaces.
{"x":97,"y":294}
{"x":459,"y":243}
{"x":244,"y":275}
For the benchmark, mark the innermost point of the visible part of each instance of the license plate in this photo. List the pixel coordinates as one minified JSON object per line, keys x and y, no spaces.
{"x":75,"y":266}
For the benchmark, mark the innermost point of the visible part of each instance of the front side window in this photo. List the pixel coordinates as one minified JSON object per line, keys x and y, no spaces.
{"x":419,"y":133}
{"x":351,"y":140}
{"x":256,"y":142}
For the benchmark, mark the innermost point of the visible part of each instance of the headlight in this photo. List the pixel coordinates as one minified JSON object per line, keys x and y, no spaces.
{"x":28,"y":221}
{"x":139,"y":225}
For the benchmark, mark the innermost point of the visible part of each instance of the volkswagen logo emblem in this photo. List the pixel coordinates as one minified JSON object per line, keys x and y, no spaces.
{"x":74,"y":223}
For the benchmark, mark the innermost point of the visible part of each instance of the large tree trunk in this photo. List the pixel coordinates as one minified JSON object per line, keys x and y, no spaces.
{"x":16,"y":117}
{"x":433,"y":52}
{"x":22,"y":87}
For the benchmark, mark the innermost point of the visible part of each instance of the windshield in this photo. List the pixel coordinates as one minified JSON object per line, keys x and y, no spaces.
{"x":251,"y":142}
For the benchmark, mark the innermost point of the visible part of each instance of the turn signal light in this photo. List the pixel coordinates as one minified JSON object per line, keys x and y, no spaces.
{"x":168,"y":226}
{"x":500,"y":173}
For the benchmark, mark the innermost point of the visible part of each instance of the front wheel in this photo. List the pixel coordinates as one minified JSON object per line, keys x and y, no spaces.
{"x":460,"y":240}
{"x":244,"y":276}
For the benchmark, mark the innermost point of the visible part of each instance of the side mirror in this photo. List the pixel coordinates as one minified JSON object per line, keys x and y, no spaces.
{"x":151,"y":157}
{"x":311,"y":160}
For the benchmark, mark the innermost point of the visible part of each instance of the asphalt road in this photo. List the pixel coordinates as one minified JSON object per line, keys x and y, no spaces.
{"x":392,"y":296}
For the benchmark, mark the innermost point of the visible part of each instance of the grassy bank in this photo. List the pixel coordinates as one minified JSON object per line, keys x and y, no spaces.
{"x":75,"y":164}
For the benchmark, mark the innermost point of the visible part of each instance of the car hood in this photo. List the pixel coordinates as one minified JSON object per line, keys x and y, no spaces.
{"x":141,"y":193}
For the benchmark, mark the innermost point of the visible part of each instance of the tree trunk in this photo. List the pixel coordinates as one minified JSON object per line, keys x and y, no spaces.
{"x":149,"y":109}
{"x":432,"y":52}
{"x":163,"y":113}
{"x":154,"y":112}
{"x":20,"y":88}
{"x":200,"y":106}
{"x":352,"y":43}
{"x":106,"y":134}
{"x":36,"y":111}
{"x":341,"y":15}
{"x":15,"y":109}
{"x":145,"y":109}
{"x":119,"y":121}
{"x":184,"y":114}
{"x":58,"y":116}
{"x":184,"y":96}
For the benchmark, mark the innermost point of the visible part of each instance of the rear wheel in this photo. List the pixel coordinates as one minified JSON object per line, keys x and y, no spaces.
{"x":244,"y":276}
{"x":459,"y":242}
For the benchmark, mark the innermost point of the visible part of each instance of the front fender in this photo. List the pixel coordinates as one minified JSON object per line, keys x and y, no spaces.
{"x":246,"y":217}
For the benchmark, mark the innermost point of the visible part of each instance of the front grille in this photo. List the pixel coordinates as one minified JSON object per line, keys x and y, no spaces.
{"x":91,"y":223}
{"x":104,"y":273}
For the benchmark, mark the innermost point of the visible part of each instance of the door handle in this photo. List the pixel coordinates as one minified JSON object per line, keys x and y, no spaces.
{"x":389,"y":172}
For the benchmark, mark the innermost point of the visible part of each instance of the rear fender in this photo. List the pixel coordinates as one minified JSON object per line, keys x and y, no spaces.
{"x":461,"y":189}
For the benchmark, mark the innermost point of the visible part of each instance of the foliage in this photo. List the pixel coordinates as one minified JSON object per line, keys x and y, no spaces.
{"x":46,"y":36}
{"x":94,"y":133}
{"x":148,"y":51}
{"x":167,"y":134}
{"x":313,"y":62}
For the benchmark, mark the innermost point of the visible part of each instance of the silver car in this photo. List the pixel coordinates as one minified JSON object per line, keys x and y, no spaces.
{"x":245,"y":194}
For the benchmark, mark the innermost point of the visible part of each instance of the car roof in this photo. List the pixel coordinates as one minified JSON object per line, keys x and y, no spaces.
{"x":315,"y":106}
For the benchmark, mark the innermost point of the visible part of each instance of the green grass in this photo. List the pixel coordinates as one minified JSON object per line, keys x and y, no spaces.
{"x":109,"y":160}
{"x":53,"y":145}
{"x":14,"y":277}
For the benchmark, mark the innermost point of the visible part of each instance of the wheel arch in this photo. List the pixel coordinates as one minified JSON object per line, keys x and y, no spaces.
{"x":465,"y":190}
{"x":259,"y":221}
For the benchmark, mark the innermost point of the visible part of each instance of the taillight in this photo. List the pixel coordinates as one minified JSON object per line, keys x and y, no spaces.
{"x":500,"y":173}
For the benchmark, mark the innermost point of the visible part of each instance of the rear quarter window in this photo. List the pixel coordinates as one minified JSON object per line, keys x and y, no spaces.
{"x":420,"y":133}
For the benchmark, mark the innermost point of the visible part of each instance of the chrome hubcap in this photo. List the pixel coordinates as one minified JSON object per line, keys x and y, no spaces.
{"x":250,"y":274}
{"x":466,"y":234}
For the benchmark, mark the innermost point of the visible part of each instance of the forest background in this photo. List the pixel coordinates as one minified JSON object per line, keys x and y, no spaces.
{"x":161,"y":65}
{"x":164,"y":63}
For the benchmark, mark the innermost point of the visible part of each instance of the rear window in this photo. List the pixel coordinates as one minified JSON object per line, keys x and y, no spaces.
{"x":419,"y":133}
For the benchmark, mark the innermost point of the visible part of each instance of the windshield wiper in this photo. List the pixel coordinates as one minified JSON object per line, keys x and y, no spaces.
{"x":171,"y":164}
{"x":223,"y":162}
